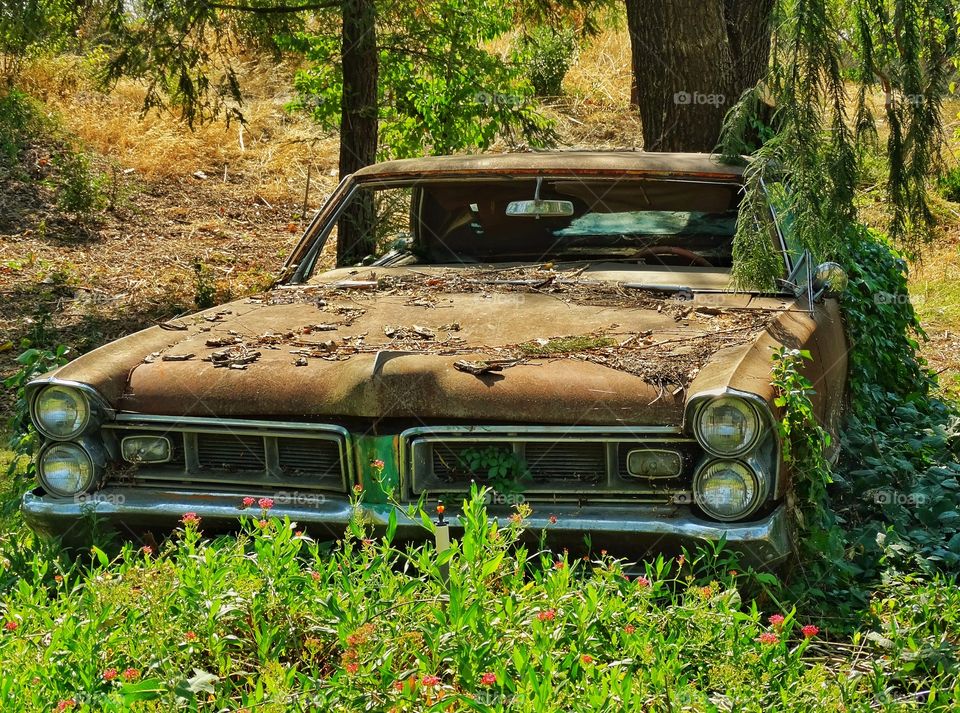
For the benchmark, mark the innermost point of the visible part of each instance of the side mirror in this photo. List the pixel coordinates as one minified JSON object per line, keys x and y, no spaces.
{"x":829,"y":280}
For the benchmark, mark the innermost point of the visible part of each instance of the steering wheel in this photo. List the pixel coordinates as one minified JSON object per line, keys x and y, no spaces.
{"x":695,"y":259}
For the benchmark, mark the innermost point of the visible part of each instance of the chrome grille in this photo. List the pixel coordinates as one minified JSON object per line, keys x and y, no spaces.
{"x":228,"y":452}
{"x":252,"y":455}
{"x":561,"y":464}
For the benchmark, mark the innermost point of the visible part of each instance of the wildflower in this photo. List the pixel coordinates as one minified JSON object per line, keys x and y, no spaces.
{"x":643,"y":582}
{"x":431,"y":681}
{"x":559,"y":564}
{"x":110,"y":674}
{"x":263,"y":524}
{"x":352,"y":667}
{"x":626,"y":577}
{"x":488,"y":679}
{"x":809,"y":631}
{"x":681,"y":559}
{"x":776,"y":620}
{"x":58,"y":578}
{"x":398,"y":685}
{"x":358,"y":488}
{"x":265,"y":503}
{"x":66,"y":704}
{"x":516,"y":519}
{"x":546,"y":615}
{"x":707,"y":592}
{"x":552,"y":519}
{"x":377,"y":463}
{"x":11,"y":626}
{"x":147,"y":550}
{"x":316,"y":576}
{"x":587,"y":658}
{"x":768,"y":638}
{"x":131,"y":674}
{"x":190,"y":518}
{"x":190,"y":636}
{"x":248,"y":501}
{"x":629,"y":629}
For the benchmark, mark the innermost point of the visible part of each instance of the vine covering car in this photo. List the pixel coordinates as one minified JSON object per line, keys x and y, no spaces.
{"x":562,"y":327}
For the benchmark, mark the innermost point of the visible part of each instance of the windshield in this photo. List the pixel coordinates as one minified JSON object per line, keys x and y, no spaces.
{"x":507,"y":220}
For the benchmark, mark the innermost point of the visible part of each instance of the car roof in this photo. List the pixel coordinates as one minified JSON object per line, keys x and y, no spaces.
{"x":570,"y":162}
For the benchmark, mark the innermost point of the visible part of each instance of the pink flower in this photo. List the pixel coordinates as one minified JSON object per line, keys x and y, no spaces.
{"x":431,"y":681}
{"x":190,"y":518}
{"x":316,"y":576}
{"x":768,"y":638}
{"x":110,"y":674}
{"x":546,"y":615}
{"x":587,"y":658}
{"x":352,"y":667}
{"x":629,"y":629}
{"x":377,"y":463}
{"x":190,"y":636}
{"x":552,"y":519}
{"x":147,"y":550}
{"x":248,"y":501}
{"x":643,"y":582}
{"x":809,"y":631}
{"x":398,"y":685}
{"x":263,"y":524}
{"x":66,"y":704}
{"x":131,"y":674}
{"x":488,"y":679}
{"x":11,"y":626}
{"x":776,"y":620}
{"x":265,"y":503}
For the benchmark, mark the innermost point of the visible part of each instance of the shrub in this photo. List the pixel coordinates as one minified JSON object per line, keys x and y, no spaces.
{"x":948,"y":183}
{"x":546,"y":55}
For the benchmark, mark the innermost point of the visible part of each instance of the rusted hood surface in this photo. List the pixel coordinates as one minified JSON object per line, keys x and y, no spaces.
{"x":390,"y":351}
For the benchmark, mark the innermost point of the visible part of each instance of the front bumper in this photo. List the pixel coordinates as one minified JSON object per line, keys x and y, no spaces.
{"x":620,"y":529}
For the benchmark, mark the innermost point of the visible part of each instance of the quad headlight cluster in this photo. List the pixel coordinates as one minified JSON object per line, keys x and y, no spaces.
{"x":734,"y":481}
{"x":70,"y":463}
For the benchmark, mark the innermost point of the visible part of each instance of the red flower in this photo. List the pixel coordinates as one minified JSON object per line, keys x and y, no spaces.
{"x":11,"y":626}
{"x":316,"y":576}
{"x":358,"y":488}
{"x":488,"y":679}
{"x":190,"y":518}
{"x":559,"y":564}
{"x":629,"y":629}
{"x":265,"y":503}
{"x":110,"y":674}
{"x":352,"y":667}
{"x":546,"y":615}
{"x":643,"y":582}
{"x":587,"y":658}
{"x":768,"y":638}
{"x":431,"y":681}
{"x":147,"y":550}
{"x":776,"y":620}
{"x":248,"y":501}
{"x":377,"y":463}
{"x":190,"y":636}
{"x":809,"y":631}
{"x":552,"y":519}
{"x":66,"y":704}
{"x":398,"y":685}
{"x":262,"y":524}
{"x":131,"y":674}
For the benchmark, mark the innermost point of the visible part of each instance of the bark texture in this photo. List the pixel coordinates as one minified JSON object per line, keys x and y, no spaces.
{"x":691,"y":61}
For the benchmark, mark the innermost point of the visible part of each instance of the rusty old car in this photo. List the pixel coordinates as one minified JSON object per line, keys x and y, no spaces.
{"x":560,"y":326}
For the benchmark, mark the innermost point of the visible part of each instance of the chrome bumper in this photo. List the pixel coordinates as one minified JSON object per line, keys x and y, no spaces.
{"x":621,"y":529}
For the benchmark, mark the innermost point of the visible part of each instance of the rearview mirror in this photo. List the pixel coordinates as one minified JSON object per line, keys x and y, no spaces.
{"x":539,"y":209}
{"x":829,"y":280}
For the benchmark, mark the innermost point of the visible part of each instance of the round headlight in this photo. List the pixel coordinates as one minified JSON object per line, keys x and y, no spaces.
{"x":727,"y":426}
{"x":66,"y":469}
{"x":726,"y":490}
{"x":61,"y":412}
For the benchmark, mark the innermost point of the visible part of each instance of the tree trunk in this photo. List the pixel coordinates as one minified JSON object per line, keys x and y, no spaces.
{"x":691,"y":61}
{"x":358,"y":124}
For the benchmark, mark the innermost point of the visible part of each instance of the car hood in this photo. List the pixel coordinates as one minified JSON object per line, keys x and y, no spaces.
{"x":359,"y":345}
